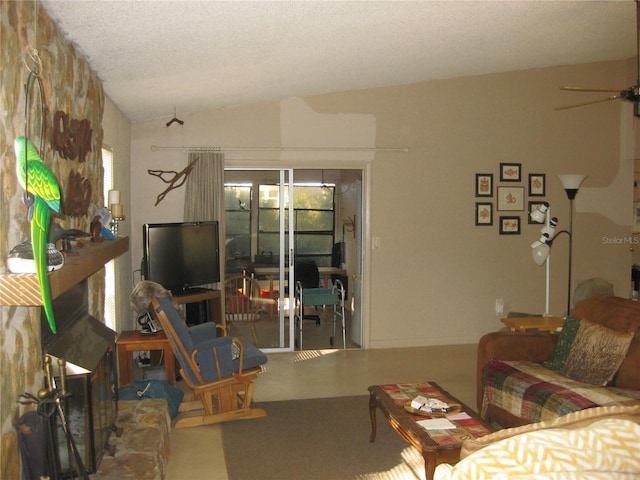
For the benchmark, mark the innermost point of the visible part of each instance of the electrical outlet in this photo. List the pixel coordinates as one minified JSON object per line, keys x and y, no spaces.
{"x":499,"y":307}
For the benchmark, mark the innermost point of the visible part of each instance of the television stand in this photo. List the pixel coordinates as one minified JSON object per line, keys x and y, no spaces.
{"x":192,"y":291}
{"x":213,"y":299}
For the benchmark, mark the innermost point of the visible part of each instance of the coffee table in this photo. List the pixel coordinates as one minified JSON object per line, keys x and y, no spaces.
{"x":436,"y":446}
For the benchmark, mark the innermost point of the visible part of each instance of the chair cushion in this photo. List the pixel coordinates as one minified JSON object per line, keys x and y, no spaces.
{"x":252,"y":357}
{"x":223,"y":346}
{"x":203,"y":331}
{"x":206,"y":358}
{"x":184,"y":337}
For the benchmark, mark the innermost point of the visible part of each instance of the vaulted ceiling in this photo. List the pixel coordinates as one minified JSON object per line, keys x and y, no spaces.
{"x":157,"y":56}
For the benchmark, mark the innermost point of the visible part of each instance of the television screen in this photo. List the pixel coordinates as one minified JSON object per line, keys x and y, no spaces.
{"x":180,"y":256}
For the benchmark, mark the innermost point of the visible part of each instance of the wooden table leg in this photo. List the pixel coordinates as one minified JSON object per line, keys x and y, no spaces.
{"x":169,"y":365}
{"x":125,"y":362}
{"x":372,"y":414}
{"x":429,"y":464}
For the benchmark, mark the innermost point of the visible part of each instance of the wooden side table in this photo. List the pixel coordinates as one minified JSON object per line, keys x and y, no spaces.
{"x":545,"y":324}
{"x":131,"y":341}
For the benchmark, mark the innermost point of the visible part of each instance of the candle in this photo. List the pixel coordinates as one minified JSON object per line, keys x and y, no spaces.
{"x":114,"y":197}
{"x":116,"y":210}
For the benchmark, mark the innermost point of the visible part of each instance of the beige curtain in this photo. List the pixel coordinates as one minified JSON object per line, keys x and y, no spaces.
{"x":204,"y":193}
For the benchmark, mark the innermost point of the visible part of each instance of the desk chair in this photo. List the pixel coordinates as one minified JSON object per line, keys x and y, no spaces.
{"x":243,"y":304}
{"x":219,"y":370}
{"x":307,"y":274}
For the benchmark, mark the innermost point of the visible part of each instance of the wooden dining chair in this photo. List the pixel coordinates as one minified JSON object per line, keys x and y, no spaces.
{"x":243,"y":304}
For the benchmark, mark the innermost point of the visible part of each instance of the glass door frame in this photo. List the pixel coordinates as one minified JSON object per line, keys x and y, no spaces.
{"x":286,"y":249}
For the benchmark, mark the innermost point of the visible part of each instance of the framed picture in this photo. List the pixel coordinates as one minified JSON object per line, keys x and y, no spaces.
{"x":510,"y":172}
{"x":511,"y":199}
{"x":533,"y":206}
{"x":509,"y":225}
{"x":484,"y":184}
{"x":484,"y":213}
{"x":537,"y":184}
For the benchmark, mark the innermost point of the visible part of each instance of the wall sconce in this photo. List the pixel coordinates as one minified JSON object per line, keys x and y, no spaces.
{"x":116,"y":209}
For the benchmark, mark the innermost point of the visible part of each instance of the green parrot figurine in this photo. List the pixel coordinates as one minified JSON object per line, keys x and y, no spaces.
{"x":42,"y":193}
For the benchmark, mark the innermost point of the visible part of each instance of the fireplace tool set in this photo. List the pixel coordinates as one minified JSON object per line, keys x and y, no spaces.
{"x":36,"y":431}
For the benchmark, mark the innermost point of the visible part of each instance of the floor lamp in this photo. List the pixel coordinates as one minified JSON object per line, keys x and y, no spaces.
{"x":571,"y":184}
{"x":542,"y":247}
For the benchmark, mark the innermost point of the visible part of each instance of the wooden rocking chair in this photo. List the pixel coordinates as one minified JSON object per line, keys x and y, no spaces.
{"x":220,"y":370}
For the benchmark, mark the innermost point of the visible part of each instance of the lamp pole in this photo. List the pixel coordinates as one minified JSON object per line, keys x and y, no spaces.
{"x":571,"y":184}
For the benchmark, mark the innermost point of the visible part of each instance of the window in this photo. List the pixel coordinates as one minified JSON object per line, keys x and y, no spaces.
{"x":110,"y":280}
{"x":314,"y":220}
{"x":237,"y":199}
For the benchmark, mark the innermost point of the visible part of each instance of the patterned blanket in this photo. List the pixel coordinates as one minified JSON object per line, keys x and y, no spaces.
{"x":535,"y":393}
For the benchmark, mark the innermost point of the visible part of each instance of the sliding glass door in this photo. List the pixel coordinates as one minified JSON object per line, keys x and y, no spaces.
{"x":274,"y":222}
{"x":258,"y":244}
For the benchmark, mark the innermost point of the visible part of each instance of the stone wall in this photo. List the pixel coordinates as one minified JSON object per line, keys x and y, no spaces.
{"x":69,"y":86}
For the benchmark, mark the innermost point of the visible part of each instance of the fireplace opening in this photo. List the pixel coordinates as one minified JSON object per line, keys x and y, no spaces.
{"x":87,"y":345}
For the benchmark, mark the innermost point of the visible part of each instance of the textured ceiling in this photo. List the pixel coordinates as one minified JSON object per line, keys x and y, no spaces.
{"x":154,"y":56}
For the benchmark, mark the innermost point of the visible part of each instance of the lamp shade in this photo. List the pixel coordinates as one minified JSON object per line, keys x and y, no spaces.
{"x":538,"y":215}
{"x":571,"y":183}
{"x":572,"y":180}
{"x":540,"y":253}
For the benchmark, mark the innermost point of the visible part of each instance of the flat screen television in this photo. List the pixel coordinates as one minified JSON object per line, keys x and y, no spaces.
{"x":181,"y":256}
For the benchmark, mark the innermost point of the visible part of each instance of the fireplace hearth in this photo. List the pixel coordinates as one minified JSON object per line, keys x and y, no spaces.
{"x":87,"y":346}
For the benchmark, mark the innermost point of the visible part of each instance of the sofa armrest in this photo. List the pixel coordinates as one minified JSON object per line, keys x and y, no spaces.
{"x":523,"y":346}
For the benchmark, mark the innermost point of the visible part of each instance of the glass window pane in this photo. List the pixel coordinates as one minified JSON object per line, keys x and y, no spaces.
{"x":314,"y":220}
{"x":269,"y":242}
{"x":318,"y":244}
{"x":237,"y":223}
{"x":270,"y":220}
{"x":237,"y":198}
{"x":269,"y":197}
{"x":316,"y":197}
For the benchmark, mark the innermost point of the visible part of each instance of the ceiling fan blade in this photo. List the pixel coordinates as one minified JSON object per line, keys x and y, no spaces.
{"x":585,"y":89}
{"x":606,"y":99}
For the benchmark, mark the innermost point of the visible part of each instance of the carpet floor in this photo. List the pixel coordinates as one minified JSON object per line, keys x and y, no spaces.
{"x":322,"y":438}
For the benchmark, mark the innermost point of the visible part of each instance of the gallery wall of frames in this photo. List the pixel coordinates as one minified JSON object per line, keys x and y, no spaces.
{"x":511,"y":197}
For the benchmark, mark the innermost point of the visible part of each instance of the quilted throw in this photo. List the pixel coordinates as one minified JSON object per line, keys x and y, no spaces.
{"x":607,"y":449}
{"x":533,"y":392}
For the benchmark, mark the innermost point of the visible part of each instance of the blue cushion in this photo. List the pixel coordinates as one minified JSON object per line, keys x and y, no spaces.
{"x":252,"y":357}
{"x":184,"y":337}
{"x":207,"y":359}
{"x":203,"y":331}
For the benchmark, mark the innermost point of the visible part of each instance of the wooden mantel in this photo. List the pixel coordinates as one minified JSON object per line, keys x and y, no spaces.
{"x":21,"y":289}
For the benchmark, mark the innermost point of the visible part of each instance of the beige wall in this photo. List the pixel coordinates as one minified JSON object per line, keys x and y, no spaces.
{"x":436,"y":276}
{"x":117,"y":136}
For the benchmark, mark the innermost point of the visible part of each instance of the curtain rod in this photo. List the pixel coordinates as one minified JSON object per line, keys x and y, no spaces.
{"x":155,"y":148}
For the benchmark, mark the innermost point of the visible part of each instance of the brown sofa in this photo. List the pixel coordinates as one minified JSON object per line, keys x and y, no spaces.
{"x":613,"y":312}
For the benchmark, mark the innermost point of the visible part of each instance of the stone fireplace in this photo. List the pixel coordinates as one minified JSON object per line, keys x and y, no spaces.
{"x":87,"y":346}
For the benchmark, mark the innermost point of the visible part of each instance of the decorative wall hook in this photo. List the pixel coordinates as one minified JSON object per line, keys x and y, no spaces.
{"x":174,"y":119}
